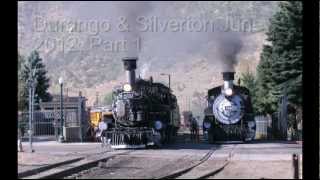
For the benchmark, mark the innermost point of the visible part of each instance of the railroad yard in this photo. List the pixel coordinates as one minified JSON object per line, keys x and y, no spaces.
{"x":181,"y":160}
{"x":212,"y":91}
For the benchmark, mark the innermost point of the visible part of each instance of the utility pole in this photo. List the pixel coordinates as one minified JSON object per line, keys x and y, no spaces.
{"x":97,"y":99}
{"x":61,"y":109}
{"x":285,"y":112}
{"x":30,"y":116}
{"x":31,"y":85}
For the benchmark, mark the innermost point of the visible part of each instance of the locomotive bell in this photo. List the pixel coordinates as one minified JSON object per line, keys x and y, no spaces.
{"x":228,"y":78}
{"x":130,"y":64}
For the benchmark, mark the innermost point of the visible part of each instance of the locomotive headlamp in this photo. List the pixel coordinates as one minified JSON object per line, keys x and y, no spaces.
{"x":228,"y":78}
{"x":228,"y":92}
{"x":158,"y":125}
{"x":127,"y":87}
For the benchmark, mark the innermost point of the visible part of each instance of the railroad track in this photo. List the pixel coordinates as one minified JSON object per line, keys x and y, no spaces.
{"x":188,"y":171}
{"x":216,"y":171}
{"x":65,"y":169}
{"x":200,"y":169}
{"x":180,"y":173}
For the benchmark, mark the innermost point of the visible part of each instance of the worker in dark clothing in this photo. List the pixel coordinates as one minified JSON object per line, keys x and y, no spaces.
{"x":194,"y":128}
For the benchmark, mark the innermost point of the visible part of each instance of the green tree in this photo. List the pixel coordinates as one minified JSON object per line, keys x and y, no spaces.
{"x":247,"y":80}
{"x":34,"y":62}
{"x":285,"y":34}
{"x":107,"y":100}
{"x":280,"y":68}
{"x":266,"y":103}
{"x":22,"y":101}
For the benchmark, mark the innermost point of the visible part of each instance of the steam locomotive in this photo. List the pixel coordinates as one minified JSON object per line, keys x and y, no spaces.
{"x":229,"y":114}
{"x":145,"y":113}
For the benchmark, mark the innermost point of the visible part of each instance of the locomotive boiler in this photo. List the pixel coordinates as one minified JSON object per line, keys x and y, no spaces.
{"x":229,"y":114}
{"x":145,"y":113}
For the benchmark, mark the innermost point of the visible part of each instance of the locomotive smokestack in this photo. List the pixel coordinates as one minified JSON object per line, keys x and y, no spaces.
{"x":130,"y":64}
{"x":228,"y":78}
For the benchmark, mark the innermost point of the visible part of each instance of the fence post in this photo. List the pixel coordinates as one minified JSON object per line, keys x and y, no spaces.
{"x":295,"y":163}
{"x":30,"y":116}
{"x":300,"y":166}
{"x":19,"y":137}
{"x":55,"y":125}
{"x":80,"y":118}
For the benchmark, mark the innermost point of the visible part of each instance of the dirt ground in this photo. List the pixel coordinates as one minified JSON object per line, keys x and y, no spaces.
{"x":253,"y":161}
{"x":256,"y":170}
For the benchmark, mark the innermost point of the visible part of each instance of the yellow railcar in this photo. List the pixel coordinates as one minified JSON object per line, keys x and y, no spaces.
{"x":96,"y":114}
{"x":100,"y":113}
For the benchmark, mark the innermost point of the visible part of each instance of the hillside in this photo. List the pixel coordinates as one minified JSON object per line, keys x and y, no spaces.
{"x":190,"y":58}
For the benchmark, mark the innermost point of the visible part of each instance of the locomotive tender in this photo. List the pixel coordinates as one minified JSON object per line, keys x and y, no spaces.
{"x":229,"y":114}
{"x":145,"y":113}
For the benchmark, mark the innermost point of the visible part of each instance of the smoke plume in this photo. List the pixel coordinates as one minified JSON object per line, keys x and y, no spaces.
{"x":144,"y":70}
{"x":228,"y":46}
{"x":220,"y":48}
{"x":130,"y":11}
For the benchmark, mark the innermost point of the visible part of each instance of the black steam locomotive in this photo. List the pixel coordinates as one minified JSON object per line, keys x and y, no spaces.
{"x":145,"y":113}
{"x":229,"y":115}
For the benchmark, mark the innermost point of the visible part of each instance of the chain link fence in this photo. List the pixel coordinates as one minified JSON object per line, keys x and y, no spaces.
{"x":262,"y":124}
{"x":47,"y":123}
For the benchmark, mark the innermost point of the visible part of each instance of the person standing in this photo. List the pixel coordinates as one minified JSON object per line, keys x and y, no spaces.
{"x":102,"y":130}
{"x":195,"y":129}
{"x":20,"y":134}
{"x":192,"y":132}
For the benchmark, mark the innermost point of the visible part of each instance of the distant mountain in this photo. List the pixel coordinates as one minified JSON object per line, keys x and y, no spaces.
{"x":74,"y":42}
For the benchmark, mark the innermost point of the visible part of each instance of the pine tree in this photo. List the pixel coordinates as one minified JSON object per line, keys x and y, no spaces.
{"x":248,"y":81}
{"x":266,"y":103}
{"x":108,"y":99}
{"x":22,"y":101}
{"x":280,"y":68}
{"x":35,"y":62}
{"x":285,"y":34}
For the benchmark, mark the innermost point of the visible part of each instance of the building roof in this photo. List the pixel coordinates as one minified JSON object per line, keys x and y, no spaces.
{"x":67,"y":98}
{"x":68,"y":102}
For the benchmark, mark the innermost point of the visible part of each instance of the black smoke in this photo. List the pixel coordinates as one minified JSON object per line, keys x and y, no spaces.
{"x":229,"y":45}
